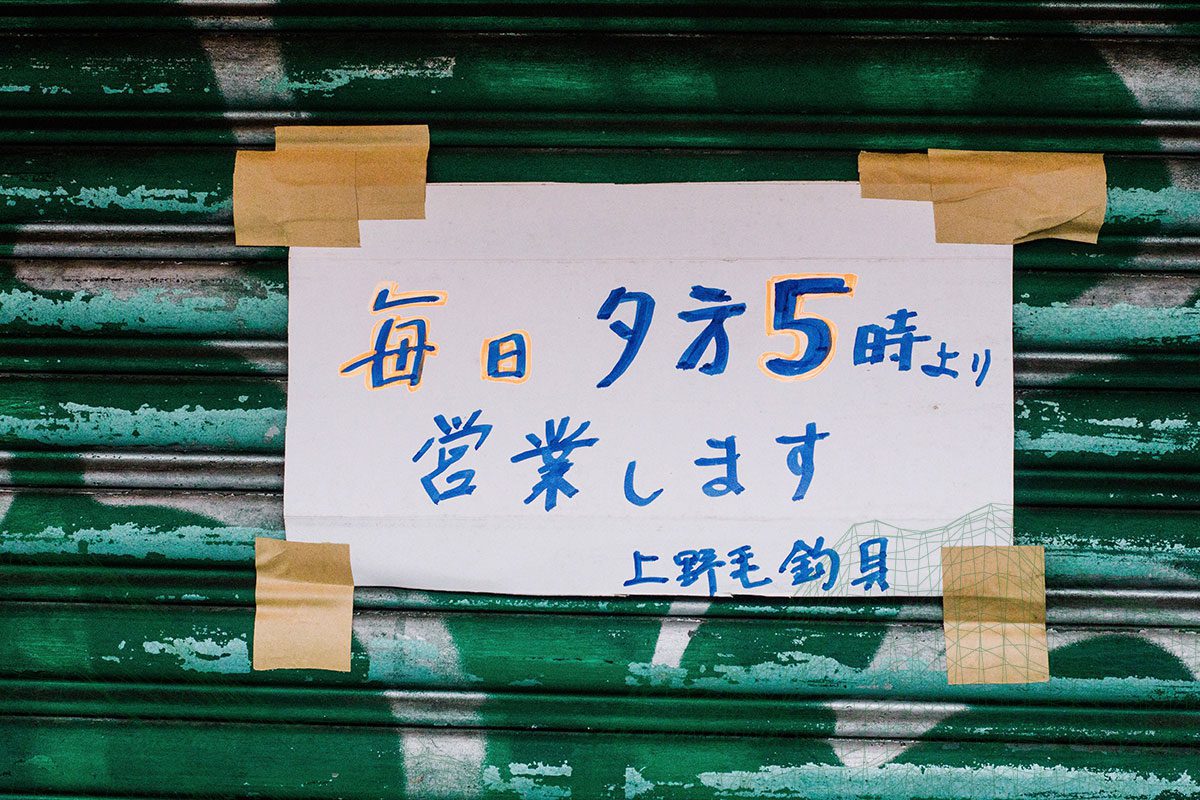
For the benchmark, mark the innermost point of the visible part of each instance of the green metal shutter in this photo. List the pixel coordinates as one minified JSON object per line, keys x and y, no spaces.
{"x":143,"y":385}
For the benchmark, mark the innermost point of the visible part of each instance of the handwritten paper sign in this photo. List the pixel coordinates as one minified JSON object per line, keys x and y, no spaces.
{"x":691,"y":389}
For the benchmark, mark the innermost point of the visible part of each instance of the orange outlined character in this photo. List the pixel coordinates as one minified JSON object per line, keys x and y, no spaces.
{"x":785,"y":300}
{"x":401,"y":345}
{"x":505,"y":358}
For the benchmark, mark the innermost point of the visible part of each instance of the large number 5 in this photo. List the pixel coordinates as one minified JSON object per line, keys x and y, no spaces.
{"x":785,"y":299}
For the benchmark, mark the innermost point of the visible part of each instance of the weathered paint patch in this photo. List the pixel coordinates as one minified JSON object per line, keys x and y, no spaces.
{"x":1050,"y":443}
{"x":1121,"y":324}
{"x":231,"y":544}
{"x":1043,"y":426}
{"x":914,"y":653}
{"x":1136,"y":564}
{"x":79,"y":424}
{"x":23,"y":192}
{"x":676,"y":632}
{"x":443,"y":764}
{"x":331,"y":79}
{"x":204,"y":655}
{"x":230,"y":513}
{"x":1169,"y":205}
{"x":410,"y":650}
{"x":234,"y":59}
{"x":144,"y":198}
{"x":529,"y":781}
{"x":146,"y":310}
{"x":983,"y":782}
{"x":636,"y":784}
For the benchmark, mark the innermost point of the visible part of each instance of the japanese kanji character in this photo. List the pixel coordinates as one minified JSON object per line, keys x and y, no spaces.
{"x":741,"y":558}
{"x":872,"y":564}
{"x":554,"y":452}
{"x":401,"y":345}
{"x":871,"y":343}
{"x":639,"y":561}
{"x":458,"y":483}
{"x":697,"y":564}
{"x":807,"y":563}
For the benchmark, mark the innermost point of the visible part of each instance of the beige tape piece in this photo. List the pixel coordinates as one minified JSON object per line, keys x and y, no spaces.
{"x":295,"y":201}
{"x":390,"y":163}
{"x":984,"y":197}
{"x":994,"y":614}
{"x":1005,"y":198}
{"x":320,"y":180}
{"x":303,"y":605}
{"x":894,"y":176}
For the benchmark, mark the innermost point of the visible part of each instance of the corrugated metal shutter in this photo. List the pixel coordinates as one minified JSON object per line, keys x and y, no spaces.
{"x":142,"y":407}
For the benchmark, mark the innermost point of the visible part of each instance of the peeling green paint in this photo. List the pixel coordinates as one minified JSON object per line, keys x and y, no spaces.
{"x":1122,"y":323}
{"x":204,"y":655}
{"x":163,"y":310}
{"x":981,"y":782}
{"x":84,"y":424}
{"x":151,"y":199}
{"x":332,"y":79}
{"x":528,"y":781}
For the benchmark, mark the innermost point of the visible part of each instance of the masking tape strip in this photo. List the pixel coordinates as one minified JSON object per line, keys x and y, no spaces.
{"x":320,"y":180}
{"x":994,"y":616}
{"x":303,"y":605}
{"x":983,"y":197}
{"x":894,"y":176}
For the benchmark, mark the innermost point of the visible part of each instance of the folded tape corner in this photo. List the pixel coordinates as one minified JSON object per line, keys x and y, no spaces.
{"x":320,"y":180}
{"x":995,"y":197}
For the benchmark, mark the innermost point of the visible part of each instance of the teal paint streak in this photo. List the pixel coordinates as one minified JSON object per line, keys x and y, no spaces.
{"x":859,"y":659}
{"x":909,"y":662}
{"x":23,"y":192}
{"x":143,"y":198}
{"x":159,"y":310}
{"x":1082,"y":558}
{"x":1043,"y":427}
{"x":227,"y":544}
{"x":1168,"y":206}
{"x":987,"y":781}
{"x":1051,"y":443}
{"x":329,"y":80}
{"x":78,"y":424}
{"x":139,"y":198}
{"x":1120,"y":324}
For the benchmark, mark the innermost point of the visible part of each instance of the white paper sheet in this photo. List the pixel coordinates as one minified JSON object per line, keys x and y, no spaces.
{"x":911,"y":459}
